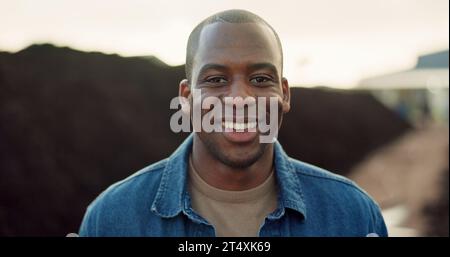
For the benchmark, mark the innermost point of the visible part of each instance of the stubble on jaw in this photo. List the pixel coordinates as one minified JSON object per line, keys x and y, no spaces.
{"x":220,"y":154}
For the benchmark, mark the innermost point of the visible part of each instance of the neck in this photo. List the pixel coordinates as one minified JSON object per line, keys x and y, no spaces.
{"x":222,"y":176}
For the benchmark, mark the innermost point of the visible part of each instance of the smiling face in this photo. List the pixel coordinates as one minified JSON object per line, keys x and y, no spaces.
{"x":237,"y":60}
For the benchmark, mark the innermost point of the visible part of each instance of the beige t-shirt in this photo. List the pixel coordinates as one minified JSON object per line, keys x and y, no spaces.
{"x":233,"y":213}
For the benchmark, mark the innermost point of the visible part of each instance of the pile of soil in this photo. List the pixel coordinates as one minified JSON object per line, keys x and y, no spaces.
{"x":72,"y":123}
{"x":411,"y":173}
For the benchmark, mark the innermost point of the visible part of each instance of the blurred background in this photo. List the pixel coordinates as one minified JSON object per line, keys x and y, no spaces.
{"x":85,"y":88}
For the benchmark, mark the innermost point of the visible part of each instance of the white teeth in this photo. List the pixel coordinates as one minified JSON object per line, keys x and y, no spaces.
{"x":229,"y":125}
{"x":238,"y":125}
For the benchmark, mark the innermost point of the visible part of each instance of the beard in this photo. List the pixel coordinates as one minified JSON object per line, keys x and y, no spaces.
{"x":232,"y":157}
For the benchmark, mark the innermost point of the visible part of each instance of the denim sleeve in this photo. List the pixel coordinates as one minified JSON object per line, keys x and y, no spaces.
{"x":379,"y":225}
{"x":87,"y":227}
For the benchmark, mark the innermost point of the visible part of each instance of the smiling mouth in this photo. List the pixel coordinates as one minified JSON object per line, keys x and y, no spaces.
{"x":239,"y":126}
{"x":240,"y":131}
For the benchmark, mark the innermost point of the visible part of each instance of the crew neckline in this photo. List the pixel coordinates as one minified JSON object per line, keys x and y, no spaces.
{"x":230,"y":196}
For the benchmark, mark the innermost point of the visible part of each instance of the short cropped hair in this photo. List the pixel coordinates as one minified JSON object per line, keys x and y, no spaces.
{"x":230,"y":16}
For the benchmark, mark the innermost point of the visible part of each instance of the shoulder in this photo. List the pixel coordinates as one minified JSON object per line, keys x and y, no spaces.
{"x":324,"y":190}
{"x":147,"y":177}
{"x":327,"y":180}
{"x":124,"y":201}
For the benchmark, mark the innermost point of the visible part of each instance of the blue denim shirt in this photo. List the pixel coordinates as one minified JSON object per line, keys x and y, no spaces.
{"x":155,"y":202}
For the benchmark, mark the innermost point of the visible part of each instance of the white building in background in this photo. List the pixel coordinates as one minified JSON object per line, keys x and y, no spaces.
{"x":416,"y":94}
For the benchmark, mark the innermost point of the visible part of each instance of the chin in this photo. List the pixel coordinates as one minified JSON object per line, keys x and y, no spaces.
{"x":239,"y":157}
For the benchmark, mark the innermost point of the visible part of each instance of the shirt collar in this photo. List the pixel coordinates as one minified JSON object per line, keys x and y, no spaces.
{"x":170,"y":197}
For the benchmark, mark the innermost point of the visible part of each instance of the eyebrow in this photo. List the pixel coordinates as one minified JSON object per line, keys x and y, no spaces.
{"x":212,"y":66}
{"x":253,"y":66}
{"x":263,"y":65}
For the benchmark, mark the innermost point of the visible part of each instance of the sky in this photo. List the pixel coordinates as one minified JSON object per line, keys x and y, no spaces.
{"x":325,"y":42}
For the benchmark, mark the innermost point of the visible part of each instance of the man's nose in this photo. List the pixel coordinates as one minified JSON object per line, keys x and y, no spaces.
{"x":240,"y":97}
{"x":240,"y":89}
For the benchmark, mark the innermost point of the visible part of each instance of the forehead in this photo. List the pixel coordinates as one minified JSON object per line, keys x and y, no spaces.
{"x":237,"y":43}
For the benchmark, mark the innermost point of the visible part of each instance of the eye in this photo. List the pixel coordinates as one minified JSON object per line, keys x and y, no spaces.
{"x":260,"y":79}
{"x":216,"y":80}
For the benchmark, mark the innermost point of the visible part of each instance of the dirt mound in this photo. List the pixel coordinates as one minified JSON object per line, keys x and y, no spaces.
{"x":410,"y":174}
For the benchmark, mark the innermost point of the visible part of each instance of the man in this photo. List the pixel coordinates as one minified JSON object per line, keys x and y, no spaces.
{"x":229,"y":183}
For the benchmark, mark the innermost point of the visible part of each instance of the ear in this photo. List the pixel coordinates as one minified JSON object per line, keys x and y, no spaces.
{"x":286,"y":95}
{"x":184,"y":92}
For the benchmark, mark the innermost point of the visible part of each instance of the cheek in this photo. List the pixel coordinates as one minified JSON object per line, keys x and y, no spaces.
{"x":208,"y":97}
{"x":197,"y":102}
{"x":274,"y":91}
{"x":266,"y":98}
